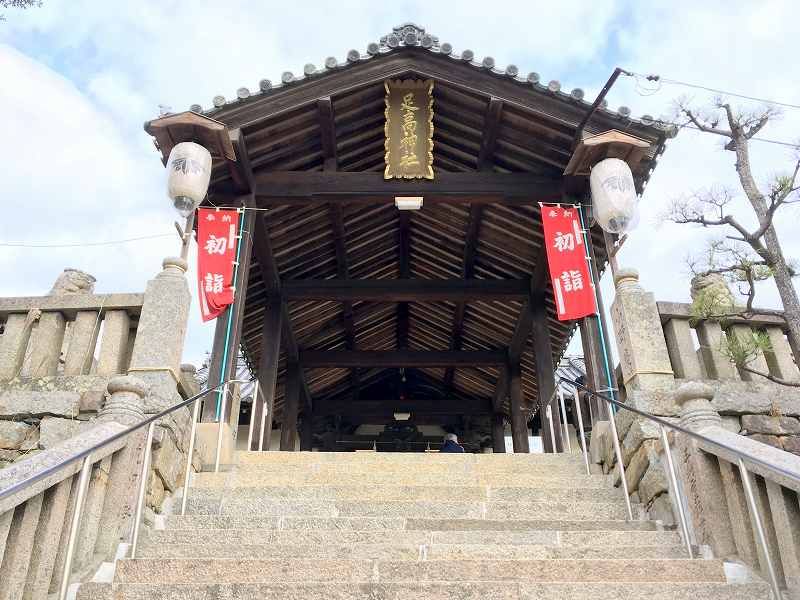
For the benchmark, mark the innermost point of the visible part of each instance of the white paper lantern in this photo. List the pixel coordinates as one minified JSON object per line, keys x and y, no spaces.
{"x":614,"y":196}
{"x":189,"y":171}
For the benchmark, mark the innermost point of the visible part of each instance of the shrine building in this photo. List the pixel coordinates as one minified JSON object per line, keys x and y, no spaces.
{"x":379,"y":309}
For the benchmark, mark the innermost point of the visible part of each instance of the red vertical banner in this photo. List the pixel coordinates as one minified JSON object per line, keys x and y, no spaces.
{"x":567,"y":259}
{"x":217,"y":238}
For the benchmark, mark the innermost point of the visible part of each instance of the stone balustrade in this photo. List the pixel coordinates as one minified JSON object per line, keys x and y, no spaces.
{"x":678,"y":368}
{"x":35,"y":520}
{"x":715,"y":495}
{"x":58,"y":353}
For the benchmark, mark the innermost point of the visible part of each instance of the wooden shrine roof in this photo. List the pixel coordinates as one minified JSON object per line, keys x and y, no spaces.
{"x":312,"y":149}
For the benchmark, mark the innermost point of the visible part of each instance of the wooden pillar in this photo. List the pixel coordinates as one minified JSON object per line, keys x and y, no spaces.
{"x":545,"y":378}
{"x":498,"y":433}
{"x":291,"y":404}
{"x":218,"y":372}
{"x":593,"y":347}
{"x":519,"y":412}
{"x":268,"y":370}
{"x":307,"y":432}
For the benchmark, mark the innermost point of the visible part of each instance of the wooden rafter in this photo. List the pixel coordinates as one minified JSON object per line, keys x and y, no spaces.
{"x":467,"y":272}
{"x":327,"y":127}
{"x":405,"y":270}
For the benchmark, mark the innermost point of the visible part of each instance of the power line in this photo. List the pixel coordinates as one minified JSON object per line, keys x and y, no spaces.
{"x":659,"y":79}
{"x":85,"y":244}
{"x":755,"y":139}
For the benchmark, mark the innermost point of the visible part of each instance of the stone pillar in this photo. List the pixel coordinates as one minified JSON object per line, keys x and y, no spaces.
{"x":157,"y":351}
{"x":702,"y":481}
{"x":125,"y":405}
{"x":643,"y":351}
{"x":758,"y":362}
{"x":711,"y":337}
{"x":780,"y":360}
{"x":46,"y":342}
{"x":14,"y":341}
{"x":114,"y":346}
{"x":80,"y":352}
{"x":498,"y":433}
{"x":683,"y":357}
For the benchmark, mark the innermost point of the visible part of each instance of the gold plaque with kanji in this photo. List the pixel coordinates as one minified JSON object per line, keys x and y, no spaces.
{"x":409,"y":129}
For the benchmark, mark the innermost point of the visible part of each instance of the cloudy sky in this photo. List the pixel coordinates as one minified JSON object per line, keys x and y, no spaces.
{"x":79,"y":77}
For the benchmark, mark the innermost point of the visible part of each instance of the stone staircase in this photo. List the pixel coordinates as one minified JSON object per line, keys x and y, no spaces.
{"x":389,"y":526}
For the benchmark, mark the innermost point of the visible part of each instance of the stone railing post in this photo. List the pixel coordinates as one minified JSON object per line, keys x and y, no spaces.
{"x":125,"y":405}
{"x":156,"y":356}
{"x":644,"y":357}
{"x":704,"y":488}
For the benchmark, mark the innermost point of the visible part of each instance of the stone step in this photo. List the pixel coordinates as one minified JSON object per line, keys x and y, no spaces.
{"x":251,"y":501}
{"x":389,"y":458}
{"x":413,"y":492}
{"x":323,"y":537}
{"x":222,"y":571}
{"x":398,"y":524}
{"x":553,"y":479}
{"x":437,"y":468}
{"x":383,"y":551}
{"x":427,"y":591}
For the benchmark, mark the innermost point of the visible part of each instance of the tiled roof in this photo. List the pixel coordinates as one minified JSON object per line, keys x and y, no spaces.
{"x":411,"y":35}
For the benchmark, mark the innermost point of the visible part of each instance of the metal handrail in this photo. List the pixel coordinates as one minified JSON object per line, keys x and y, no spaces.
{"x":663,"y":422}
{"x":85,"y":472}
{"x":17,"y":487}
{"x":672,"y":470}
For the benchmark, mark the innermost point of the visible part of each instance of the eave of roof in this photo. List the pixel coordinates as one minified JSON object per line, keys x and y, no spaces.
{"x":410,"y":35}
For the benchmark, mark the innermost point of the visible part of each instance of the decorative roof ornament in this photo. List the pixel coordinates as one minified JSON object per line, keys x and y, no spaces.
{"x":409,"y":34}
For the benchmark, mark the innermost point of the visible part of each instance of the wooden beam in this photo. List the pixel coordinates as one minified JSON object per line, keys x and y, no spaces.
{"x":405,"y":290}
{"x":467,"y":272}
{"x":290,"y":187}
{"x":399,"y":358}
{"x":268,"y":369}
{"x":386,"y":407}
{"x":491,"y":127}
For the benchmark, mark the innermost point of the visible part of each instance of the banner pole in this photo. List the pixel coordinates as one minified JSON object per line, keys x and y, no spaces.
{"x":229,"y":326}
{"x":600,"y":322}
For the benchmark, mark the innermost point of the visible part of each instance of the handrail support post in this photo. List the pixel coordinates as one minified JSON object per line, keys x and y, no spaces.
{"x":759,"y":526}
{"x":189,"y":457}
{"x":673,"y":479}
{"x":143,"y":477}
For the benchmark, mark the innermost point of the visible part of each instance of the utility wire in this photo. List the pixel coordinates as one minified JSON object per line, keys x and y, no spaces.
{"x":659,"y":79}
{"x":85,"y":244}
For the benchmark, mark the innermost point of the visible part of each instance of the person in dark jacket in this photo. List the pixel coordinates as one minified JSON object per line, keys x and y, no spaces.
{"x":451,"y":444}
